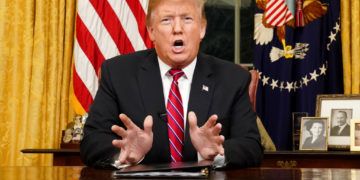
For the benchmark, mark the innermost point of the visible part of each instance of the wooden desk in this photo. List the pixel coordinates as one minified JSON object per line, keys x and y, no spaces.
{"x":301,"y":159}
{"x":61,"y":157}
{"x":84,"y":173}
{"x":278,"y":159}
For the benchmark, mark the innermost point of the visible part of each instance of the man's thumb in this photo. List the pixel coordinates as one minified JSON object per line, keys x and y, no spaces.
{"x":148,"y":123}
{"x":192,"y":120}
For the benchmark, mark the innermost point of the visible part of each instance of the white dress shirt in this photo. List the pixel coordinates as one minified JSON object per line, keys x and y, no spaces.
{"x":341,"y":128}
{"x":184,"y":84}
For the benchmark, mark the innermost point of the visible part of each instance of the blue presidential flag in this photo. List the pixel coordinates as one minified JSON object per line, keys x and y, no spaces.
{"x":298,"y":56}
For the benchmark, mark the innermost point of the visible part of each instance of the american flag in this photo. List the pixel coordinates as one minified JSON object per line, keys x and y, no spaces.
{"x":277,"y":13}
{"x":104,"y":29}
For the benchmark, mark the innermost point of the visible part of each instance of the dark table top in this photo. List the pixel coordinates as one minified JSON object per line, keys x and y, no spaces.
{"x":77,"y":172}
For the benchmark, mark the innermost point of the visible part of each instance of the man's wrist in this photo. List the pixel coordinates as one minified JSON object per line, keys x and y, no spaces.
{"x":116,"y":163}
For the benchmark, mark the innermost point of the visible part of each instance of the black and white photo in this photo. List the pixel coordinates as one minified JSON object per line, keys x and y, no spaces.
{"x":340,"y":122}
{"x":313,"y":134}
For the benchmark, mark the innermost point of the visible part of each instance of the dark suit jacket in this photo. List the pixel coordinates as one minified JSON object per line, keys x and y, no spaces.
{"x":319,"y":143}
{"x":345,"y":132}
{"x":131,"y":84}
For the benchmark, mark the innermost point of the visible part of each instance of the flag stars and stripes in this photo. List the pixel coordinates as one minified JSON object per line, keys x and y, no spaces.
{"x":277,"y":13}
{"x":292,"y":86}
{"x":281,"y":85}
{"x":314,"y":75}
{"x":265,"y":80}
{"x":332,"y":36}
{"x":323,"y":70}
{"x":104,"y":29}
{"x":295,"y":86}
{"x":289,"y":86}
{"x":305,"y":80}
{"x":274,"y":84}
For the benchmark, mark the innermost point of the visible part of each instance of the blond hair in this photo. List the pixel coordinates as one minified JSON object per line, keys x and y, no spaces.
{"x":154,"y":3}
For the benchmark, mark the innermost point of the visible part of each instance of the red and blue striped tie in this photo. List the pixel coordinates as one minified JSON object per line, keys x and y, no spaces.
{"x":175,"y":116}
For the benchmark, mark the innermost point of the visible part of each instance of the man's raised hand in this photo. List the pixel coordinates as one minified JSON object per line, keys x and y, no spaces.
{"x":135,"y":142}
{"x":206,"y":139}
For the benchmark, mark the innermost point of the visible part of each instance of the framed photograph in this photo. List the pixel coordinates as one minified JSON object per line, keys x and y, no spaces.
{"x":296,"y":117}
{"x":355,"y":135}
{"x":296,"y":122}
{"x":314,"y":133}
{"x":340,"y":109}
{"x":340,"y":122}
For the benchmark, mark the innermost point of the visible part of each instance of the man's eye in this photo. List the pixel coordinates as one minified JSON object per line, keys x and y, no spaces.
{"x":165,"y":21}
{"x":188,"y":19}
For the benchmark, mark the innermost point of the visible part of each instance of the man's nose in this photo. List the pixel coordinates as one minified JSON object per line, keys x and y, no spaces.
{"x":177,"y":27}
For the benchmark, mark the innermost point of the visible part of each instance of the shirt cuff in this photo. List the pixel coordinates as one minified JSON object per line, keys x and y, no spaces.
{"x":219,"y":160}
{"x":118,"y":165}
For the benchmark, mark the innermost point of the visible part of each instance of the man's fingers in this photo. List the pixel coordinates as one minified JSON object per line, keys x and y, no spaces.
{"x":221,"y":150}
{"x":127,"y":121}
{"x":211,"y":121}
{"x":119,"y":131}
{"x":148,"y":123}
{"x":192,"y":120}
{"x":220,"y":139}
{"x":118,"y":143}
{"x":131,"y":158}
{"x":217,"y":129}
{"x":123,"y":156}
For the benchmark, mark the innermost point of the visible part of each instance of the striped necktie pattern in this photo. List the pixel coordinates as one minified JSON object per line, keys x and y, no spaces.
{"x":175,"y":117}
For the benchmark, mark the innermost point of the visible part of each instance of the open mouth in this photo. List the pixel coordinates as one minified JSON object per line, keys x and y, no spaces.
{"x":178,"y":46}
{"x":178,"y":43}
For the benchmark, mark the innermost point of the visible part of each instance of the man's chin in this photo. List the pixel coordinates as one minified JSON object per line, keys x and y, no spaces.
{"x":181,"y":60}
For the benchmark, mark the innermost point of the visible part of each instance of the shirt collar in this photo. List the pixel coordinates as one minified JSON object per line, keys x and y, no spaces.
{"x":343,"y":125}
{"x":188,"y":70}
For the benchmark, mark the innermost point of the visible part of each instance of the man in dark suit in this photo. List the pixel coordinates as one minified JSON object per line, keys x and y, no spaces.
{"x":132,"y":118}
{"x":342,"y":128}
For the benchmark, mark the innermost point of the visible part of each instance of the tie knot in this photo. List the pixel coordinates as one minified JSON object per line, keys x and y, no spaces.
{"x":176,"y":73}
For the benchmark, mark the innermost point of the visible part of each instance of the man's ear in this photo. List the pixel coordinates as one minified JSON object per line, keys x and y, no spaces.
{"x":151,"y":32}
{"x":203,"y":29}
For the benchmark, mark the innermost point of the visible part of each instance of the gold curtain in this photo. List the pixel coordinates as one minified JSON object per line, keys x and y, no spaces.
{"x":36,"y":45}
{"x":350,"y":34}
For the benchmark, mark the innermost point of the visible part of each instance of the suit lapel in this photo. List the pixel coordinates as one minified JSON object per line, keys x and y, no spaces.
{"x":150,"y":84}
{"x":202,"y":89}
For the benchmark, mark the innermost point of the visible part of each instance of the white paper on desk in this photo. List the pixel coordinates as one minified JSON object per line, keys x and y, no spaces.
{"x":160,"y":174}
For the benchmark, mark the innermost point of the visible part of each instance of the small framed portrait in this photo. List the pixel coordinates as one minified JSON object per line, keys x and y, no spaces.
{"x":355,"y":135}
{"x":340,"y":109}
{"x":313,"y":133}
{"x":296,"y":122}
{"x":340,"y":122}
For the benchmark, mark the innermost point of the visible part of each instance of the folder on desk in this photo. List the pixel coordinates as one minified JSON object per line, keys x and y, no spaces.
{"x":169,"y":170}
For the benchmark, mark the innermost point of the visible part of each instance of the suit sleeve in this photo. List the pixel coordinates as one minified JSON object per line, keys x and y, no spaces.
{"x":243,"y":146}
{"x":96,"y":148}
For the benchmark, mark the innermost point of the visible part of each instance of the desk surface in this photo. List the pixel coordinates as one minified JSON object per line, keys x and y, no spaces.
{"x":77,"y":172}
{"x":282,"y":159}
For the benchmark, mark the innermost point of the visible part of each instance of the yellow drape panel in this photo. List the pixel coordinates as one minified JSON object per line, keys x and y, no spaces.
{"x":350,"y":34}
{"x":36,"y":45}
{"x":34,"y":173}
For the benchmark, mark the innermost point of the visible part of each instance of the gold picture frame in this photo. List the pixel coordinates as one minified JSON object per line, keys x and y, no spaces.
{"x":330,"y":106}
{"x":355,"y":135}
{"x":313,"y":133}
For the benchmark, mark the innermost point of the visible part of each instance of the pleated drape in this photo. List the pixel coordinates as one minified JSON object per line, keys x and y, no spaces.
{"x":350,"y":33}
{"x":36,"y":45}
